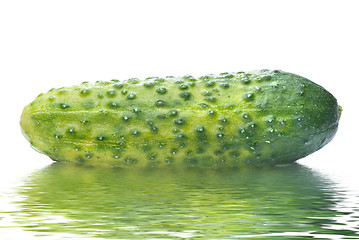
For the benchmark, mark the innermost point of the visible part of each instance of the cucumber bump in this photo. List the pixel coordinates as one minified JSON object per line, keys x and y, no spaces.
{"x":234,"y":119}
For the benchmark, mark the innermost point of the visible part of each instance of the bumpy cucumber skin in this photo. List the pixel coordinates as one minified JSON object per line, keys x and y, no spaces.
{"x":228,"y":120}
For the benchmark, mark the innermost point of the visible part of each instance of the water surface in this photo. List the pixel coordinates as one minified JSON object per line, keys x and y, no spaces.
{"x":65,"y":201}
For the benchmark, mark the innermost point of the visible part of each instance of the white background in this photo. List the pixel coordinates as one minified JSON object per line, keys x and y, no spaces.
{"x":47,"y":44}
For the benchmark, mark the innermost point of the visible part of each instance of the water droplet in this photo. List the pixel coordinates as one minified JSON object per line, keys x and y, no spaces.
{"x":180,"y":136}
{"x":189,"y":77}
{"x":111,"y":93}
{"x":203,"y":105}
{"x":136,"y":110}
{"x":224,"y":85}
{"x":281,"y":122}
{"x":206,"y":93}
{"x":269,"y":119}
{"x":183,"y":86}
{"x":299,"y":120}
{"x":245,"y":80}
{"x":185,"y":95}
{"x":114,"y":104}
{"x":179,"y":121}
{"x":220,"y":135}
{"x":160,"y":103}
{"x":135,"y":132}
{"x":173,"y":113}
{"x":131,"y":96}
{"x":126,"y":118}
{"x":246,"y":116}
{"x":149,"y":84}
{"x":116,"y":156}
{"x":306,"y":141}
{"x":241,"y":130}
{"x":118,"y":85}
{"x":71,"y":130}
{"x":210,"y":84}
{"x":223,"y":120}
{"x":124,"y":92}
{"x":251,"y":126}
{"x":64,"y":105}
{"x":161,"y":90}
{"x":133,"y":80}
{"x":99,"y":82}
{"x":154,"y":129}
{"x":248,"y":96}
{"x":212,"y":112}
{"x":229,"y":75}
{"x":211,"y":99}
{"x":85,"y":92}
{"x":100,"y":137}
{"x":84,"y":121}
{"x":51,"y":98}
{"x":152,"y":157}
{"x":270,"y":130}
{"x":200,"y":129}
{"x":168,"y":160}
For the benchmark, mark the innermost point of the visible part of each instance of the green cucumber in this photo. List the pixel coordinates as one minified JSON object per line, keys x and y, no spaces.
{"x":228,"y":120}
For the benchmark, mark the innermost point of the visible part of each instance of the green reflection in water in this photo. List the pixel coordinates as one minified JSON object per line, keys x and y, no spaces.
{"x":115,"y":203}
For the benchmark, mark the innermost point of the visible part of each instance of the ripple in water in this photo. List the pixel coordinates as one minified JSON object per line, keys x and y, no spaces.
{"x":288,"y":202}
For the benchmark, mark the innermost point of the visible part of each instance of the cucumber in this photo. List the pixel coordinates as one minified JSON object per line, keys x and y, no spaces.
{"x":234,"y":119}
